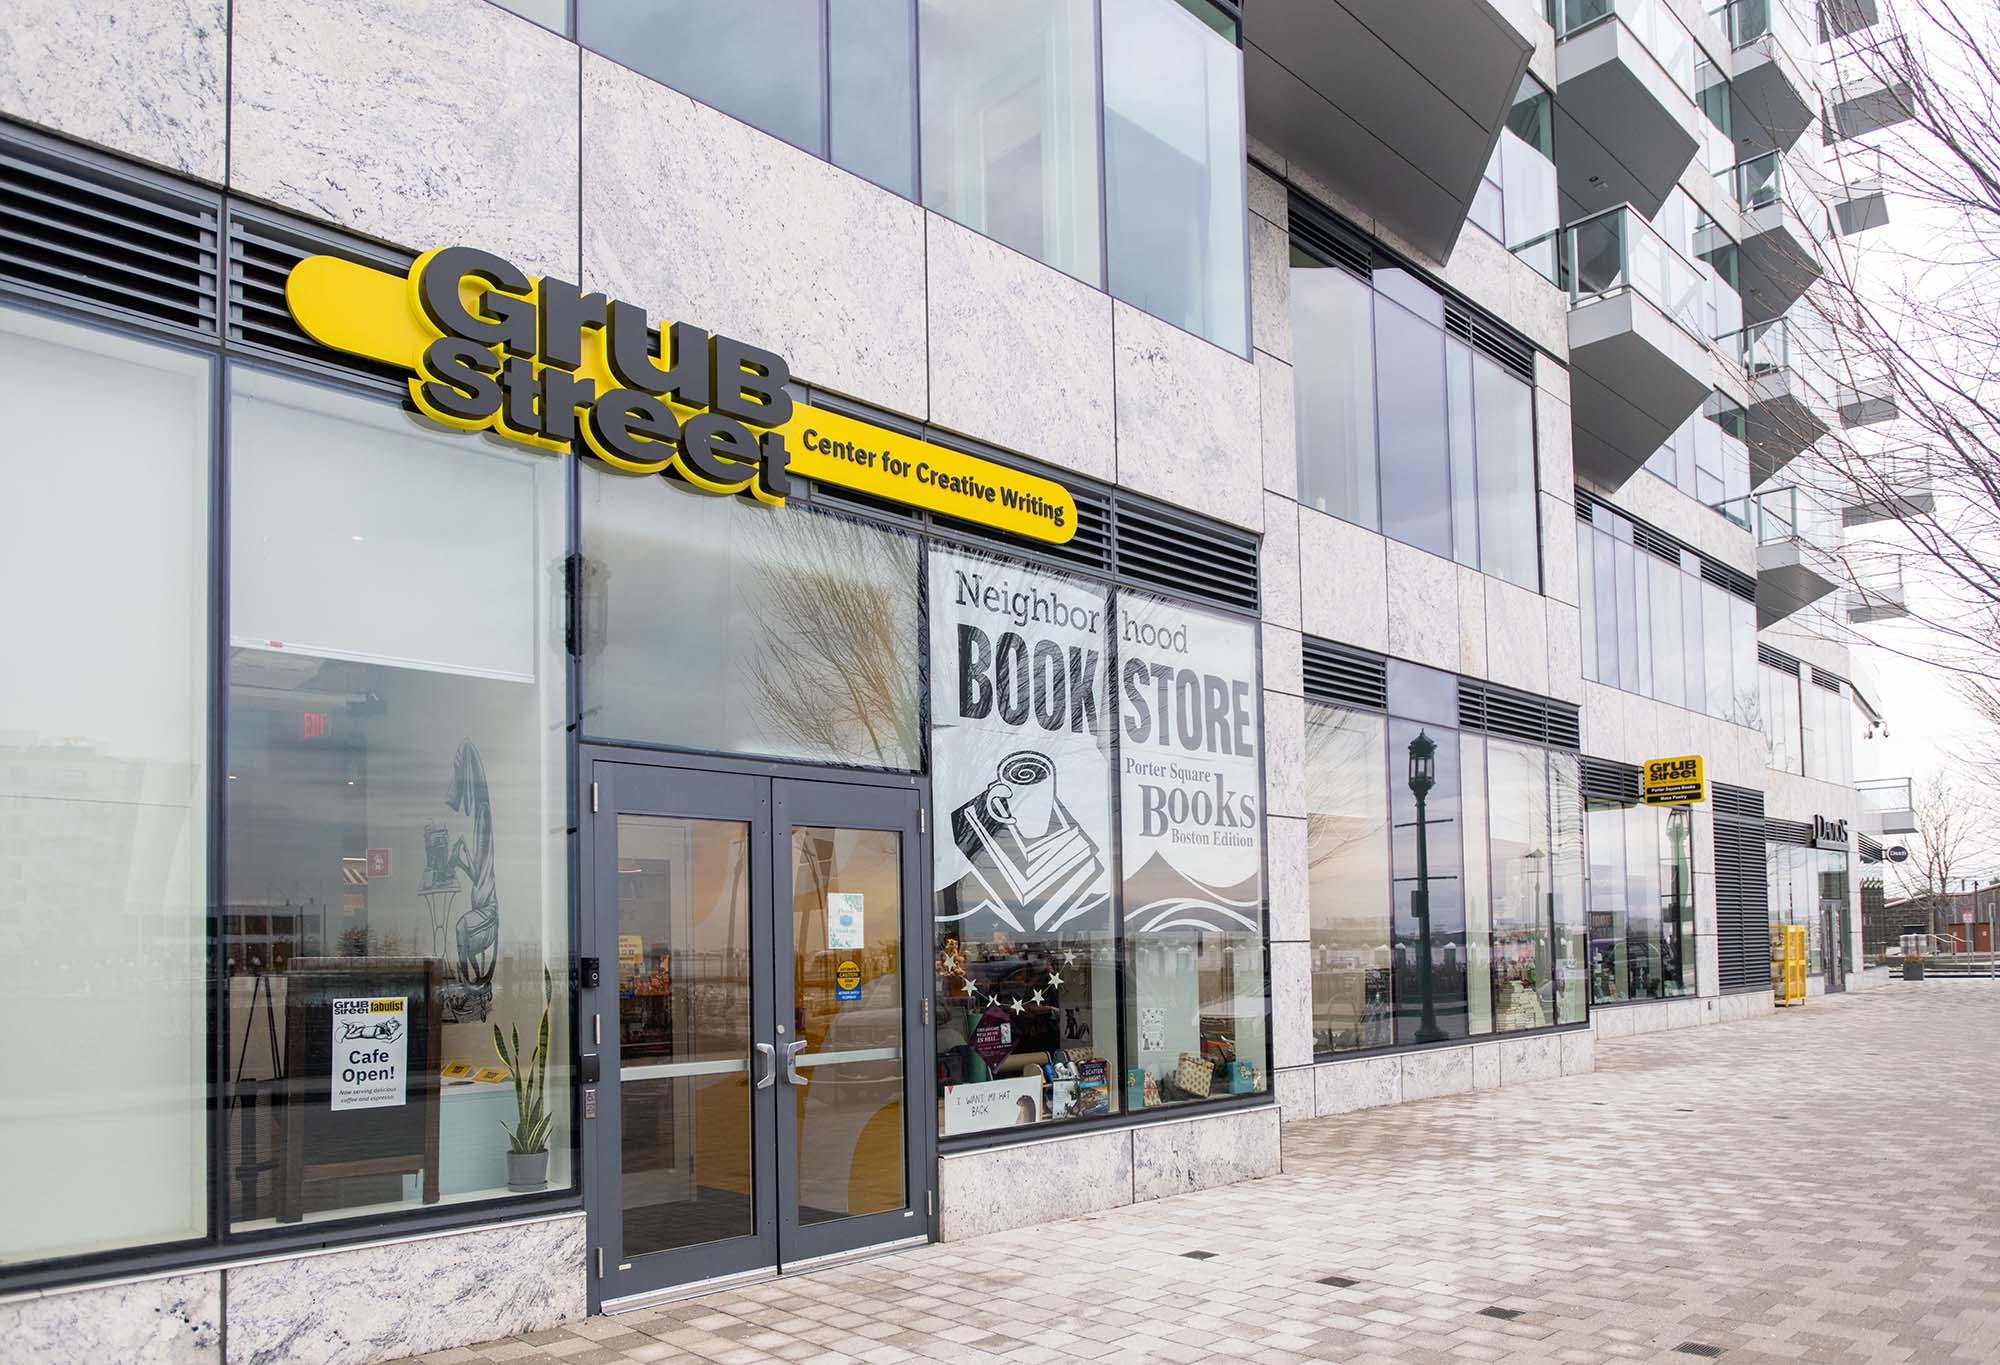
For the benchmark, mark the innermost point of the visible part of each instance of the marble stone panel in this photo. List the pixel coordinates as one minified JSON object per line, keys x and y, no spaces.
{"x":1565,"y":637}
{"x":1423,"y":606}
{"x":1498,"y":280}
{"x":1364,"y":1083}
{"x":1486,"y":1066}
{"x":1189,"y":428}
{"x":1278,"y":424}
{"x":1603,"y":720}
{"x":1612,"y":1021}
{"x":1284,"y":661}
{"x":1285,"y":850}
{"x":1685,"y":1013}
{"x":1200,"y":1153}
{"x":1650,"y":1017}
{"x":1441,"y":1071}
{"x":1020,"y":353}
{"x":1559,"y":571}
{"x":1278,"y":561}
{"x":1284,"y":754}
{"x":1579,"y":1052}
{"x":1471,"y":622}
{"x":146,"y":80}
{"x":1344,"y":581}
{"x":1708,"y":959}
{"x":1731,"y":1009}
{"x":400,"y":136}
{"x":1293,"y":1089}
{"x":1517,"y":643}
{"x":1269,"y":199}
{"x":1555,"y":454}
{"x":1291,"y":1004}
{"x":397,"y":1299}
{"x":1270,"y":288}
{"x":1025,"y":1183}
{"x":174,"y":1320}
{"x":695,"y":216}
{"x":1530,"y":1059}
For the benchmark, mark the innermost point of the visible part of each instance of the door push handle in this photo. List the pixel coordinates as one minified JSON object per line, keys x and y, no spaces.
{"x":770,"y":1076}
{"x":792,"y":1051}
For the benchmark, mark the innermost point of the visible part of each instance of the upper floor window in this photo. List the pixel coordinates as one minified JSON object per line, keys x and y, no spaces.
{"x":1516,"y":201}
{"x":1403,"y":426}
{"x":1121,"y":165}
{"x":1706,"y":458}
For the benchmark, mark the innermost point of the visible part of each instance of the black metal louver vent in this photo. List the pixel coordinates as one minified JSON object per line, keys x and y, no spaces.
{"x":1778,"y":831}
{"x":1345,"y":677}
{"x":1656,"y":543}
{"x":1870,"y":849}
{"x":1491,"y":340}
{"x":1518,"y":715}
{"x":262,"y":253}
{"x":1742,"y":904}
{"x":80,"y":229}
{"x":1822,"y":678}
{"x":1090,"y":547}
{"x":1325,"y":237}
{"x":1733,"y":581}
{"x":1608,"y":783}
{"x":1778,"y":659}
{"x":1185,"y":554}
{"x":1585,"y":504}
{"x":1737,"y":803}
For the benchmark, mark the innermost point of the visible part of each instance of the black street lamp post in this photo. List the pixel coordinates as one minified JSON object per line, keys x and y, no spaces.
{"x":1423,"y":776}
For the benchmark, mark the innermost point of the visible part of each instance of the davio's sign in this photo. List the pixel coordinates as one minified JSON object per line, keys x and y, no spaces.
{"x":545,"y":363}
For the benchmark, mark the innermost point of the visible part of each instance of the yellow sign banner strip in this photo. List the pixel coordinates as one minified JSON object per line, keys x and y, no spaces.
{"x":368,"y":312}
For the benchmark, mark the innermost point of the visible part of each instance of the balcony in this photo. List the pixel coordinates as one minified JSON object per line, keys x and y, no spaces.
{"x":1892,"y":485}
{"x":1860,"y":197}
{"x":1839,"y":18}
{"x":1390,"y":104}
{"x":1637,"y":369}
{"x":1866,"y":402}
{"x":1788,"y":409}
{"x":1879,"y":593}
{"x":1888,"y":805}
{"x":1778,"y":260}
{"x":1797,"y":556}
{"x":1627,"y":124}
{"x":1867,"y":91}
{"x":1770,"y":93}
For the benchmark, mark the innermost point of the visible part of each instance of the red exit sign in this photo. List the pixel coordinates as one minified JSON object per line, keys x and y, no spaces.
{"x":316,"y":725}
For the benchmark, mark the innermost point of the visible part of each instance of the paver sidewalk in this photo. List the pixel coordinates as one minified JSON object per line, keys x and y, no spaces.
{"x":1819,"y":1185}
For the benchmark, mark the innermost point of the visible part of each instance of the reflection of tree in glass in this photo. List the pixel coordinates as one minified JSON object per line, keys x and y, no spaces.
{"x":836,"y":670}
{"x":1346,"y":787}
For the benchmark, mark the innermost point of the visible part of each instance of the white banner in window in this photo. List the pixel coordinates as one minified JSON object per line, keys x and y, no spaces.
{"x":371,"y":1046}
{"x":1020,"y":747}
{"x":1190,"y":788}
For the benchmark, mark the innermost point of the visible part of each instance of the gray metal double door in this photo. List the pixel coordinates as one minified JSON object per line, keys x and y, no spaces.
{"x":759,"y":983}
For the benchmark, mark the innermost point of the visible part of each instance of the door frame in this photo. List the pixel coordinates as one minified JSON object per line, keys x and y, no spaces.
{"x":596,"y":1179}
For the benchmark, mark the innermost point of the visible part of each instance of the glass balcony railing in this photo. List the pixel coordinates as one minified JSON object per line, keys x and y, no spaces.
{"x":1880,"y":794}
{"x":1617,"y":250}
{"x":1755,"y":183}
{"x":1745,"y":21}
{"x":1769,"y":348}
{"x":1650,"y":21}
{"x":1792,"y":514}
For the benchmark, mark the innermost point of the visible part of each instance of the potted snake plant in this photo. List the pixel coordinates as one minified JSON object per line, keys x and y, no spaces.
{"x":528,"y":1139}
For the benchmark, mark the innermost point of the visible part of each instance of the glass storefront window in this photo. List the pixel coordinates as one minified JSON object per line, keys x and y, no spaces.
{"x":1027,"y":969}
{"x":1347,"y":869}
{"x":1641,"y":903}
{"x":397,"y":796}
{"x":103,"y":790}
{"x":1524,"y":985}
{"x":1173,"y":169}
{"x":718,"y":624}
{"x":1009,"y":125}
{"x":1571,"y":909}
{"x":1192,"y":852}
{"x":1427,"y":857}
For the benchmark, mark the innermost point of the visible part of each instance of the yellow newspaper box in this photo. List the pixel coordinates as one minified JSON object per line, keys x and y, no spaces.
{"x":1788,"y":964}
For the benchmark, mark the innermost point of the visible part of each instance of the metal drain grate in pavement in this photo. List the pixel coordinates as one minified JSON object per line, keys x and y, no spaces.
{"x":1504,"y":1314}
{"x":1339,"y":1281}
{"x":1698,"y":1348}
{"x":1199,"y":1255}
